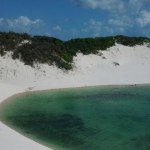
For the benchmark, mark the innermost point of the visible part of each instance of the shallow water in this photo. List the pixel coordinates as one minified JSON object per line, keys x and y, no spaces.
{"x":96,"y":118}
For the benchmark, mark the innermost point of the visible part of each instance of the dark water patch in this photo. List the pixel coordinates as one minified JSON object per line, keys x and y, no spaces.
{"x":140,"y":143}
{"x":60,"y":127}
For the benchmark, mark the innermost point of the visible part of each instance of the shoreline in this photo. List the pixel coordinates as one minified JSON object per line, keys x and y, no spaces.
{"x":35,"y":144}
{"x":24,"y":93}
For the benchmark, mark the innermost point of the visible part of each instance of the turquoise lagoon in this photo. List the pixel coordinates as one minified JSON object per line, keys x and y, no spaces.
{"x":94,"y":118}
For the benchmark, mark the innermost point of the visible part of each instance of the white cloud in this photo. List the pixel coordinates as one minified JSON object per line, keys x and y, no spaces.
{"x":21,"y":24}
{"x":108,"y":27}
{"x":116,"y":6}
{"x":136,"y":6}
{"x":56,"y":28}
{"x":93,"y":27}
{"x":116,"y":22}
{"x":124,"y":22}
{"x":144,"y":19}
{"x":110,"y":5}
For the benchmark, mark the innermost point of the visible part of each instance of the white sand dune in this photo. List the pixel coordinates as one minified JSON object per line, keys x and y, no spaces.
{"x":118,"y":65}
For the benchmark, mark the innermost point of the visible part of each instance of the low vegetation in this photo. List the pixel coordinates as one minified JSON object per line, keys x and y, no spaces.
{"x":44,"y":49}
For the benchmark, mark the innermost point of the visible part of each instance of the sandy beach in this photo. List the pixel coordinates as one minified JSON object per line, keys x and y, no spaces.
{"x":119,"y":65}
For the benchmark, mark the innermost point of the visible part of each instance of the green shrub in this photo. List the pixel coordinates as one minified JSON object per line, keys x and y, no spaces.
{"x":44,"y":49}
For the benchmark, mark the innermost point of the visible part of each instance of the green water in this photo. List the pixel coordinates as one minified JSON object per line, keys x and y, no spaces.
{"x":116,"y":118}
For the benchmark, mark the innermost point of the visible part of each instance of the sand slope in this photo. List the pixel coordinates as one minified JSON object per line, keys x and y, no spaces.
{"x":118,"y":65}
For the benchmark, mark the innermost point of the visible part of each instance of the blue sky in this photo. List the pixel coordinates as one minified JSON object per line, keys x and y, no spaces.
{"x":67,"y":19}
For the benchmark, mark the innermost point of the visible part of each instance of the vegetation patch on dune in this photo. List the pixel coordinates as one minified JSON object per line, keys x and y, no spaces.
{"x":50,"y":50}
